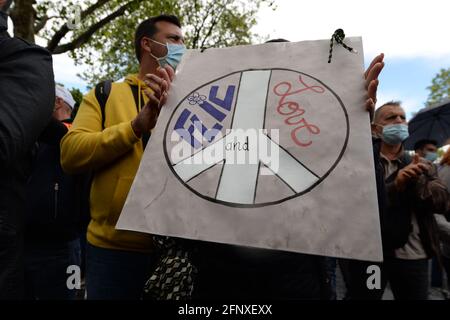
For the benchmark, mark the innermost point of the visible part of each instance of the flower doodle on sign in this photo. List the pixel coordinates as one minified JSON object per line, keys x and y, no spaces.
{"x":295,"y":111}
{"x":196,"y":98}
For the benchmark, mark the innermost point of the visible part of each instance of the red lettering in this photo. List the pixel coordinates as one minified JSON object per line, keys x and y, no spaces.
{"x":295,"y":111}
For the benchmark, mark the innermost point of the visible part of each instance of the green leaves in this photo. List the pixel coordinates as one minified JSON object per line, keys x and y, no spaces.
{"x":77,"y":95}
{"x":109,"y":51}
{"x":440,"y":87}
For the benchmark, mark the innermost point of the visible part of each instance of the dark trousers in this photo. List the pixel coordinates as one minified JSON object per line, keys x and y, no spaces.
{"x":436,"y":273}
{"x":226,"y":271}
{"x":116,"y":274}
{"x":12,"y":275}
{"x":357,"y":276}
{"x":46,"y":270}
{"x":446,"y":264}
{"x":408,"y":279}
{"x":331,"y":265}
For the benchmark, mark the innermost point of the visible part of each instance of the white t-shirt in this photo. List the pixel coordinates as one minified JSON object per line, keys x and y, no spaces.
{"x":413,"y":249}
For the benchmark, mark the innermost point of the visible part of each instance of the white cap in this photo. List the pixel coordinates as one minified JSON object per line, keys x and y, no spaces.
{"x":64,"y":94}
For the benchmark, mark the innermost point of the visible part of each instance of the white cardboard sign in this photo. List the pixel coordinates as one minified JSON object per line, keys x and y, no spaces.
{"x":265,"y":146}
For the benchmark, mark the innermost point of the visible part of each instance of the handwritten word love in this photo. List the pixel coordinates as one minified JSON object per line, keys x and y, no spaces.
{"x":295,"y":111}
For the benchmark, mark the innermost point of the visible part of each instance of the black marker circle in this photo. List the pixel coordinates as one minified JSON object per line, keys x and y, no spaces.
{"x":262,"y":204}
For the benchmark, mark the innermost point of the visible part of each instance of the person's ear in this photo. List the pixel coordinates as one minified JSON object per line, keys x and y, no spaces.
{"x":58,"y":102}
{"x":376,"y":128}
{"x":68,"y":109}
{"x":146,"y":45}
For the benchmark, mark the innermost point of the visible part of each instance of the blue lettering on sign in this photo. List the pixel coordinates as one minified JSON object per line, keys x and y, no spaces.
{"x":208,"y":134}
{"x":219,"y":116}
{"x":225,"y":103}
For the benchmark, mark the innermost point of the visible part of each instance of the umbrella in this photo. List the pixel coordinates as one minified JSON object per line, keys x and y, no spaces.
{"x":430,"y":123}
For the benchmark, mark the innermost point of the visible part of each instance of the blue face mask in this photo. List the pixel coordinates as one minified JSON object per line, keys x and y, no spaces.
{"x":395,"y":133}
{"x":174,"y":54}
{"x":431,"y":156}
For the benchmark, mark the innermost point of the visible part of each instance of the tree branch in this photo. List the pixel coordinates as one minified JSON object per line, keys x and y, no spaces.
{"x":41,"y":23}
{"x":213,"y":24}
{"x":54,"y":41}
{"x":85,"y":36}
{"x":198,"y":29}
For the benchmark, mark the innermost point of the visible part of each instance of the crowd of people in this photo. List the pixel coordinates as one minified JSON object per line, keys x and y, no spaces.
{"x":65,"y":179}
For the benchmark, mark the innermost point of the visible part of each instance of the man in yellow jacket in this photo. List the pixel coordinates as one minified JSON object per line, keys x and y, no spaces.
{"x":111,"y":144}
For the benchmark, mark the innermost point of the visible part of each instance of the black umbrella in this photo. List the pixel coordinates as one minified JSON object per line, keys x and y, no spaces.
{"x":430,"y":123}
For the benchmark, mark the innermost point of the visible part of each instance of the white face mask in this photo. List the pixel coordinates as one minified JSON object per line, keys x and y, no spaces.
{"x":174,"y":54}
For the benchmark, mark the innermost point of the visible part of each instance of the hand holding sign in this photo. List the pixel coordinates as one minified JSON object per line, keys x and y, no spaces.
{"x":159,"y":85}
{"x":371,"y":77}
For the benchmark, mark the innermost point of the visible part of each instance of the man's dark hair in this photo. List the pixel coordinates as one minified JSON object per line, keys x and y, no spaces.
{"x":390,"y":103}
{"x":422,"y":143}
{"x":147,"y":28}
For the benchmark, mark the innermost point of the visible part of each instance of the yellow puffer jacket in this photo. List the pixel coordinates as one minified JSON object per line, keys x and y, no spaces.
{"x":114,"y":153}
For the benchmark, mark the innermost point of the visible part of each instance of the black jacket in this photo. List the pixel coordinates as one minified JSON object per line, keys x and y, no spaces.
{"x":395,"y":218}
{"x":53,"y":202}
{"x":395,"y":214}
{"x":27,"y":97}
{"x":425,"y":197}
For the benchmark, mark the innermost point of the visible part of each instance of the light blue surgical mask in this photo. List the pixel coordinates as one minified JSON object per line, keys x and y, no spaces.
{"x":174,"y":54}
{"x":431,"y":156}
{"x":394,"y":134}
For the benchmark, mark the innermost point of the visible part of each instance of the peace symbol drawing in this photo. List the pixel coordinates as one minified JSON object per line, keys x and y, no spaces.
{"x":278,"y":120}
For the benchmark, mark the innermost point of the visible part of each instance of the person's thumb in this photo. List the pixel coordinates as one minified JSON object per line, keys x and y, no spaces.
{"x":416,"y":159}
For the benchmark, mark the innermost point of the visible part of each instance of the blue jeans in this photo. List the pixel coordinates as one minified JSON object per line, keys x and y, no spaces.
{"x":116,"y":274}
{"x":46,"y":270}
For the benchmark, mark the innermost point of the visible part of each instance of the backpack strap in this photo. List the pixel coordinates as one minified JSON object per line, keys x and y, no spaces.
{"x":102,"y":91}
{"x":138,"y":97}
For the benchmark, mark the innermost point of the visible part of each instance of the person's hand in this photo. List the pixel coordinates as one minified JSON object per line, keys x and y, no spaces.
{"x":410,"y":173}
{"x":371,"y":77}
{"x":160,"y":85}
{"x":167,"y":74}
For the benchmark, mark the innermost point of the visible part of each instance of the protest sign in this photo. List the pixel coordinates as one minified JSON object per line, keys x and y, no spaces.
{"x":265,"y":146}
